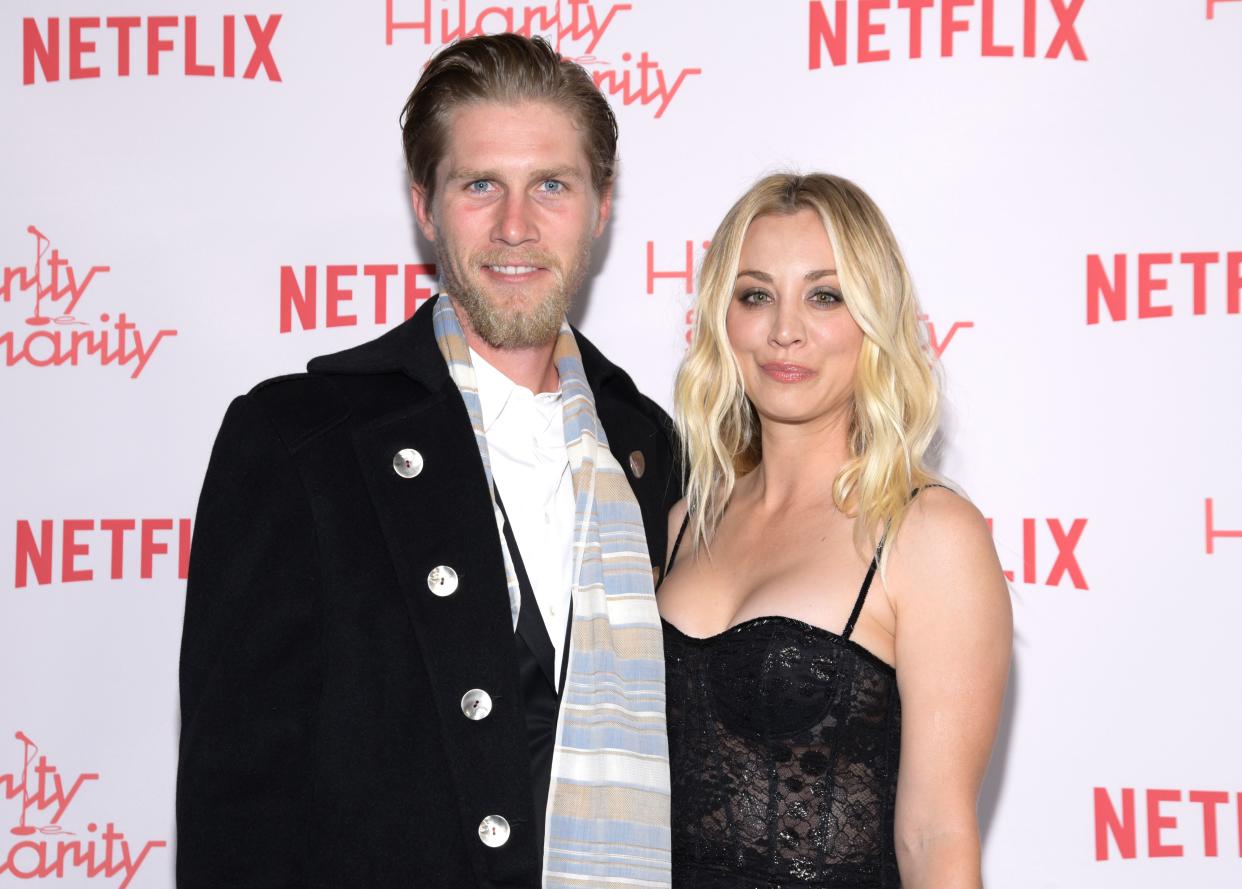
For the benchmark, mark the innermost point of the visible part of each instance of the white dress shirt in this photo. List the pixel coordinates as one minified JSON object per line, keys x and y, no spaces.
{"x":530,"y":464}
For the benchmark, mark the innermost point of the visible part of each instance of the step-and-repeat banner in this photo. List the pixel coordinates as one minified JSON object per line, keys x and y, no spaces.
{"x":198,"y":195}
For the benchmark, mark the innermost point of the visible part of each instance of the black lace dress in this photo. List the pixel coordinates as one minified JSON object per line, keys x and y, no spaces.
{"x":783,"y":742}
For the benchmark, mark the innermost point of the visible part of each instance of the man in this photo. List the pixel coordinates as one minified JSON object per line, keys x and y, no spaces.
{"x":420,"y":629}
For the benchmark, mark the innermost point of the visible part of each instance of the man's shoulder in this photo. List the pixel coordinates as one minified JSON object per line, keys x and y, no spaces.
{"x":297,"y":406}
{"x":611,"y":381}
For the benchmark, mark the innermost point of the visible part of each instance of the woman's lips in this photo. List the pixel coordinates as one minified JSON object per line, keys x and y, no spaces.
{"x":787,"y":373}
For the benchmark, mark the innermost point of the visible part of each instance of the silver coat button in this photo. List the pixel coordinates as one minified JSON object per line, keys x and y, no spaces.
{"x":638,"y":463}
{"x":407,"y":462}
{"x":494,"y":831}
{"x":442,"y":580}
{"x":476,"y":704}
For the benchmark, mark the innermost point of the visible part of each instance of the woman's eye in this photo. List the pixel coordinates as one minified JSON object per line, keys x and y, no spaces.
{"x":826,"y":297}
{"x":755,"y":297}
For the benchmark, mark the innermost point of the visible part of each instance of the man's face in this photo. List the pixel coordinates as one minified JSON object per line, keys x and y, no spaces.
{"x":512,"y":219}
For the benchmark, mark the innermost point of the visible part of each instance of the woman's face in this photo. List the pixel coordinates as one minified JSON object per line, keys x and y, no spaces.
{"x":795,"y":341}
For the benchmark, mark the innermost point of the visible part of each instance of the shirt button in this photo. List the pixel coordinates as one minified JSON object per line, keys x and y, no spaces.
{"x":476,"y":704}
{"x":407,"y":462}
{"x":442,"y":580}
{"x":494,"y":831}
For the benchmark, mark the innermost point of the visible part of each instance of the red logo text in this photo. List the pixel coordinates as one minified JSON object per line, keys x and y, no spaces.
{"x":1212,"y":533}
{"x":1211,"y":6}
{"x":63,"y":338}
{"x":1151,"y":284}
{"x":89,"y":53}
{"x":300,"y":298}
{"x":574,"y":27}
{"x":1063,"y":567}
{"x":41,"y":787}
{"x":1117,"y":826}
{"x":87,"y":546}
{"x":870,"y":43}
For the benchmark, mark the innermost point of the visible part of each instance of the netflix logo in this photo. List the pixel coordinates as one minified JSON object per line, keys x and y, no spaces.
{"x":1212,"y":4}
{"x":1049,"y":545}
{"x":302,"y":297}
{"x":1205,"y":821}
{"x":1203,"y":281}
{"x":90,"y":45}
{"x":857,"y":30}
{"x":89,"y":548}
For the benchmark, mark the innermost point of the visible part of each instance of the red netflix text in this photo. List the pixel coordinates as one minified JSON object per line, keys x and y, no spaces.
{"x":574,"y":27}
{"x":1211,"y":6}
{"x":1042,"y":539}
{"x":301,"y":297}
{"x":1197,"y":275}
{"x":89,"y":52}
{"x":105,"y":548}
{"x":54,"y":338}
{"x":1213,"y":533}
{"x":39,"y":786}
{"x":1206,"y":821}
{"x":830,"y":29}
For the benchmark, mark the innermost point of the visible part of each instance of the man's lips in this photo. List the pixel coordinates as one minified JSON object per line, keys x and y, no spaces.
{"x":513,"y":272}
{"x":784,"y":372}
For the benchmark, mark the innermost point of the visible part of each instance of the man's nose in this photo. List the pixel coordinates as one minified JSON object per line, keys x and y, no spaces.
{"x":514,"y":222}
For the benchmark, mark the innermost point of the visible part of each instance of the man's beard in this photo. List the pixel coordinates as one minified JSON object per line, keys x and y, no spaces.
{"x":506,"y":326}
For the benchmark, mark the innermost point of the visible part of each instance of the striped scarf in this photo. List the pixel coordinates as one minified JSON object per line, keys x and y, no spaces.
{"x":608,"y":801}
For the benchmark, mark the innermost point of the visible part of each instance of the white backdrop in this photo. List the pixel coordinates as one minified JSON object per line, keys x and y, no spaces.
{"x":1096,"y":448}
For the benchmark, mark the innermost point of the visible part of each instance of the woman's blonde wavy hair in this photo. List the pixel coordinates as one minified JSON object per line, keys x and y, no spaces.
{"x":896,"y":395}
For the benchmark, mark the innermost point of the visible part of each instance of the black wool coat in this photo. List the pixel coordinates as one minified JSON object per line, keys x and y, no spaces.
{"x":323,"y":742}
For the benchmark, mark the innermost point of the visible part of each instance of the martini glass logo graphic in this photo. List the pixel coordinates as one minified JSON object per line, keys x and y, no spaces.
{"x":29,"y":751}
{"x":53,"y":289}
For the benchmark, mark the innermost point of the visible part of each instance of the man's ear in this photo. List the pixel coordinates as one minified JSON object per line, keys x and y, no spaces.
{"x":605,"y":210}
{"x":422,"y":212}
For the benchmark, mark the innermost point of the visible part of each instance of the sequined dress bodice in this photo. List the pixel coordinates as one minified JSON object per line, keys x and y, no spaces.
{"x":783,"y":742}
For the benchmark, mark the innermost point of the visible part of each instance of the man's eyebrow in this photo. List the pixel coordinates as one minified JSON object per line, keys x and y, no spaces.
{"x":472,"y":175}
{"x":557,"y":173}
{"x":537,"y":176}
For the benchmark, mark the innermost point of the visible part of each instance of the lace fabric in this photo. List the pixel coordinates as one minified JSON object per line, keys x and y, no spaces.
{"x":784,"y":742}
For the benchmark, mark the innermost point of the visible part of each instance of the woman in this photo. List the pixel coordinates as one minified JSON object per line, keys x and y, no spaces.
{"x":830,"y":610}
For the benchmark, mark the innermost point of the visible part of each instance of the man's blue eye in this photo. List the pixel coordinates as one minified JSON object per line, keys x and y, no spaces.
{"x":553,"y":186}
{"x":480,"y":185}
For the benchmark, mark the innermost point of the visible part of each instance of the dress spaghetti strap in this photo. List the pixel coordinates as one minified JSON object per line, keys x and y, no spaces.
{"x":875,"y":563}
{"x":672,"y":557}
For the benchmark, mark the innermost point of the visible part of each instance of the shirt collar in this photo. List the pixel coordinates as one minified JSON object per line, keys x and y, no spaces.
{"x":496,"y":391}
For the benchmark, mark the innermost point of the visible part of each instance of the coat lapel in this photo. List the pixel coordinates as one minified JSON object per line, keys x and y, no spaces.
{"x":441,"y":518}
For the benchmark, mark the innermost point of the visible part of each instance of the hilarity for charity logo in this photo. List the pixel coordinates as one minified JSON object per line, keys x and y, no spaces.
{"x":574,"y":27}
{"x":40,"y":846}
{"x":53,"y":333}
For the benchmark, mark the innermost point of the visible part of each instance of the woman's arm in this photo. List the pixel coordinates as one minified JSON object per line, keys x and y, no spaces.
{"x":954,"y":634}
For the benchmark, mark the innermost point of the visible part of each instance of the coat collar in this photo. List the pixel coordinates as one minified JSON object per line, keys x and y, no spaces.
{"x":411,"y":348}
